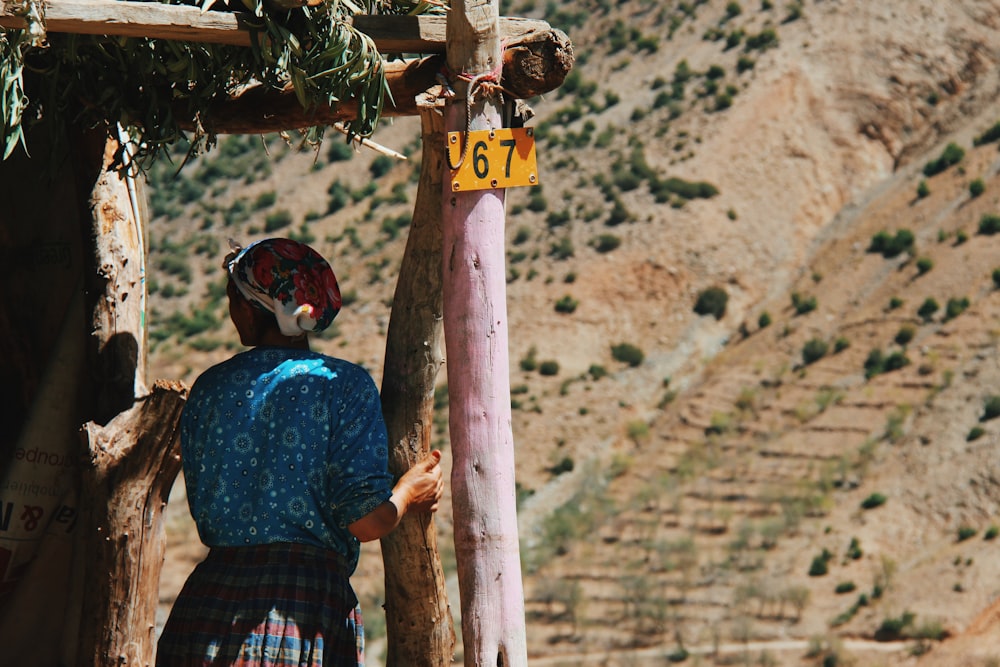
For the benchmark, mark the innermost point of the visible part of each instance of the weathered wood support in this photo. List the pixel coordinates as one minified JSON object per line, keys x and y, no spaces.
{"x":131,"y":454}
{"x":475,"y":325}
{"x":126,"y":482}
{"x":418,"y":616}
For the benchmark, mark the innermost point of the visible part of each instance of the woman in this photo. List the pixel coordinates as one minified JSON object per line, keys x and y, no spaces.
{"x":285,"y":461}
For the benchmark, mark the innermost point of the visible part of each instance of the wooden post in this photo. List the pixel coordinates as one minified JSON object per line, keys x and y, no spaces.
{"x":418,"y":617}
{"x":475,"y":325}
{"x":131,"y":454}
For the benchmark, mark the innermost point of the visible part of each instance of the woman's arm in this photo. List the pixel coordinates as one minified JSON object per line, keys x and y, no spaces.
{"x":418,"y":490}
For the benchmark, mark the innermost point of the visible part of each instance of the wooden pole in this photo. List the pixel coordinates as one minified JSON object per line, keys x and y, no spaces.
{"x":475,"y":325}
{"x":418,"y":616}
{"x":131,"y":454}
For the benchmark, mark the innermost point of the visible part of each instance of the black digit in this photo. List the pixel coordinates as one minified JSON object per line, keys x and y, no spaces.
{"x":480,"y":163}
{"x":510,"y":144}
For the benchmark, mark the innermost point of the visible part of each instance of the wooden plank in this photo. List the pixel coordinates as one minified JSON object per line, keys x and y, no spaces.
{"x":391,"y":34}
{"x":136,"y":19}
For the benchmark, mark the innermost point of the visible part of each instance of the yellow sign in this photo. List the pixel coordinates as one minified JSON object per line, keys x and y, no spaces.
{"x":500,"y":158}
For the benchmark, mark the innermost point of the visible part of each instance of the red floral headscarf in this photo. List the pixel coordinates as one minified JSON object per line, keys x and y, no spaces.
{"x":289,"y":279}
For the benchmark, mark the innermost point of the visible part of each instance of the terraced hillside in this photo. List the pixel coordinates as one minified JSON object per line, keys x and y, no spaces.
{"x":710,"y":524}
{"x":681,"y":474}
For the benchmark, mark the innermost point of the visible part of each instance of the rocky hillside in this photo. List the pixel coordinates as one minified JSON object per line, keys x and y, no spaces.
{"x":800,"y":474}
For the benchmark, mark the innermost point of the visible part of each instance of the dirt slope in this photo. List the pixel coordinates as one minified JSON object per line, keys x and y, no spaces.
{"x":716,"y":471}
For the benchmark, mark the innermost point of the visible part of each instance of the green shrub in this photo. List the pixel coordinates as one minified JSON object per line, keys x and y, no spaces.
{"x":989,"y":224}
{"x":923,"y":190}
{"x":966,"y":532}
{"x":975,"y":433}
{"x":340,"y":196}
{"x":529,"y":362}
{"x":537,"y":201}
{"x":989,"y":136}
{"x":606,"y":243}
{"x":565,"y":465}
{"x":845,"y":587}
{"x":927,"y":309}
{"x":557,"y":218}
{"x":893,"y":628}
{"x":895,"y":302}
{"x":873,"y":501}
{"x":762,"y":41}
{"x":712,"y":301}
{"x":794,"y":12}
{"x":265,"y":199}
{"x":961,"y":237}
{"x":991,"y":408}
{"x":991,"y":532}
{"x":905,"y":334}
{"x":685,"y":189}
{"x":380,"y":166}
{"x":820,"y":564}
{"x":955,"y":307}
{"x":627,"y":353}
{"x":996,"y":277}
{"x":562,"y":249}
{"x":764,"y":320}
{"x":976,"y":188}
{"x":619,"y":213}
{"x":854,"y":549}
{"x":277,"y":220}
{"x":745,"y":64}
{"x":597,"y":371}
{"x":924,"y":264}
{"x":566,"y":304}
{"x":889,"y":245}
{"x":803,"y":305}
{"x":814,"y":350}
{"x":549,"y":367}
{"x":952,"y":154}
{"x":874,"y":363}
{"x":895,"y":361}
{"x":339,"y":151}
{"x":840,"y":344}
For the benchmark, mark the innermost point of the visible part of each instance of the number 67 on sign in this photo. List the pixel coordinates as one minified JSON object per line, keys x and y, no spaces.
{"x":492,"y":159}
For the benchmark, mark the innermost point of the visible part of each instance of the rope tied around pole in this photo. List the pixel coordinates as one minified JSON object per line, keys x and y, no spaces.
{"x":489,"y":82}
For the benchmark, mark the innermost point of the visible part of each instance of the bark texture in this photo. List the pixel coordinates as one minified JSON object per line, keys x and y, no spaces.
{"x":131,"y":453}
{"x":418,"y":616}
{"x":475,"y":325}
{"x":126,"y":481}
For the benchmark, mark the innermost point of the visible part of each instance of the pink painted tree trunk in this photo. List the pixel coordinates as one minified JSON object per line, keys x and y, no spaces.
{"x":475,"y":328}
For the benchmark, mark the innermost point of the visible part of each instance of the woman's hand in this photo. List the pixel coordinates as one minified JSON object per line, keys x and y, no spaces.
{"x":424,"y":484}
{"x":418,"y":490}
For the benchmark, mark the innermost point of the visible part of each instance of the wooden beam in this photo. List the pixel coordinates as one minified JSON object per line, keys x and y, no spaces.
{"x":391,"y":34}
{"x":533,"y":64}
{"x":135,"y":19}
{"x":260,"y":110}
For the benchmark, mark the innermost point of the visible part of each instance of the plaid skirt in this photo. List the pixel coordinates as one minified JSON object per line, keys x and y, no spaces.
{"x":274,"y":605}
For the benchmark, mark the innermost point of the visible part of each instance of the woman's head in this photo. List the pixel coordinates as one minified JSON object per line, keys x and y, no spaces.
{"x":288,"y":279}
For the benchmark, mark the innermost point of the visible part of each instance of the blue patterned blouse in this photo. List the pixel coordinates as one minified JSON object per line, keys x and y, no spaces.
{"x":284,"y":445}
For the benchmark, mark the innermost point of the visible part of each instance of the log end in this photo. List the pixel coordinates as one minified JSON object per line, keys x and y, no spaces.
{"x":538,"y":65}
